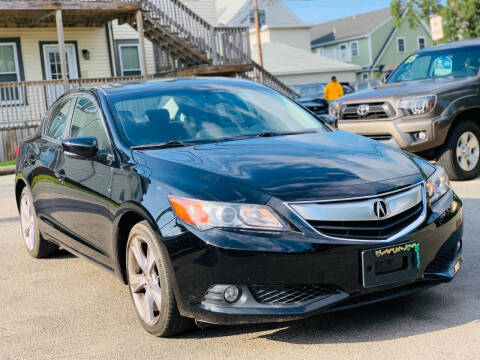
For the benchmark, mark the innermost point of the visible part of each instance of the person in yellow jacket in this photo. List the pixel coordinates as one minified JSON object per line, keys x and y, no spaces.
{"x":333,"y":90}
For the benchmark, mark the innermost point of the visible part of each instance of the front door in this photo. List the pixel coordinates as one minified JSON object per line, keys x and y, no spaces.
{"x":53,"y":70}
{"x":86,"y":184}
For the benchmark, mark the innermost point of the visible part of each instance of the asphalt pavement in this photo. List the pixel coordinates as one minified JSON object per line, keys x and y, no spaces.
{"x":66,"y":307}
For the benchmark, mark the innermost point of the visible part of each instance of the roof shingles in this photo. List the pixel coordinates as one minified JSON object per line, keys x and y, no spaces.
{"x":348,"y":27}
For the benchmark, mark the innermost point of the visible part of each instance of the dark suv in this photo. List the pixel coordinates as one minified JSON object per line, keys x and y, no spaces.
{"x":429,"y":105}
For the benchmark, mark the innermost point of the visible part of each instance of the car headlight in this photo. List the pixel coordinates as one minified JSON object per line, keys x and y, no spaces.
{"x":205,"y":215}
{"x":333,"y":108}
{"x":418,"y":105}
{"x":438,"y":185}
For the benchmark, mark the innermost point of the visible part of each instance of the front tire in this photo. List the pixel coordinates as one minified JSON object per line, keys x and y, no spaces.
{"x":151,"y":284}
{"x":36,"y":246}
{"x":460,"y":156}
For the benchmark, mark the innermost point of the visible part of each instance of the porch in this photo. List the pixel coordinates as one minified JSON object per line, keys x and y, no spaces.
{"x":56,"y":36}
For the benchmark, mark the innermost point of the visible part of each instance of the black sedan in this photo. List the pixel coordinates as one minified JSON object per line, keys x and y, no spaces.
{"x":223,"y":201}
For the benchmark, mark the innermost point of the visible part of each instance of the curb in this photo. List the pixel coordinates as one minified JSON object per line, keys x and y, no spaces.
{"x":7,"y":171}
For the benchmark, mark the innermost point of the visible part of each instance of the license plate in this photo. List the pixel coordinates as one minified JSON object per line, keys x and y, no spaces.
{"x":391,"y":264}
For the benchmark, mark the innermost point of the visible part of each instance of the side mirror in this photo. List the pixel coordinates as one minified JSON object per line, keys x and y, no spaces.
{"x":80,"y":147}
{"x":385,"y":77}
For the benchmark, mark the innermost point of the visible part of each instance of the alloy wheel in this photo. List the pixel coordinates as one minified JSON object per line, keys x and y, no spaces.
{"x":27,"y":219}
{"x":144,"y":281}
{"x":468,"y":151}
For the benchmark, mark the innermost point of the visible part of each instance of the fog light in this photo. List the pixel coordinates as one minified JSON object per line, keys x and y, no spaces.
{"x":231,"y":294}
{"x":421,"y":135}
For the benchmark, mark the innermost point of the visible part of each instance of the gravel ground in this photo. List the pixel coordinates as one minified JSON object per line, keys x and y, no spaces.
{"x":66,"y":307}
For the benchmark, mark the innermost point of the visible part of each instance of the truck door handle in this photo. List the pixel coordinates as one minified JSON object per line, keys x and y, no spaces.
{"x":60,"y":175}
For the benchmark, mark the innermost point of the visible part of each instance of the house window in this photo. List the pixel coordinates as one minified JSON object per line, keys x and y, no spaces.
{"x":10,"y":71}
{"x":354,"y":48}
{"x":129,"y":56}
{"x":401,"y":48}
{"x":421,"y":42}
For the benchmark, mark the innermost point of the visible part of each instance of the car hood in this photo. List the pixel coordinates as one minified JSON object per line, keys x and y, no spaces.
{"x":405,"y":89}
{"x":290,"y":168}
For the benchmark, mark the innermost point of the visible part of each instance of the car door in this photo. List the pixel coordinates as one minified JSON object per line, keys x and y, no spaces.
{"x":44,"y":158}
{"x":87,"y":183}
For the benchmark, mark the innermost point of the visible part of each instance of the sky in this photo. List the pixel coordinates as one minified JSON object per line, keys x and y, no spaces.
{"x":319,"y":11}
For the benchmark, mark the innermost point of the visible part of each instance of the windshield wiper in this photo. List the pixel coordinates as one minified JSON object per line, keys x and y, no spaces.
{"x":165,"y":145}
{"x":271,"y":133}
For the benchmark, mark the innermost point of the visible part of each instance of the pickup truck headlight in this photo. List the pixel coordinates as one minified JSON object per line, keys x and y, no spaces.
{"x":438,"y":185}
{"x":333,"y":108}
{"x":205,"y":215}
{"x":418,"y":105}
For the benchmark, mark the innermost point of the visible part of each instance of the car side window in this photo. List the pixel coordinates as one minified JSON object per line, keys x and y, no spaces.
{"x":58,"y":118}
{"x":87,"y":121}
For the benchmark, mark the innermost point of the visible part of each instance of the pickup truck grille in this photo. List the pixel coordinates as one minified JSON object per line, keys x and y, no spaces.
{"x":378,"y":137}
{"x":380,"y":110}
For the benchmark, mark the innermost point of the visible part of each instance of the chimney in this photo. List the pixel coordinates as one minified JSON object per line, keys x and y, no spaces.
{"x":334,"y":31}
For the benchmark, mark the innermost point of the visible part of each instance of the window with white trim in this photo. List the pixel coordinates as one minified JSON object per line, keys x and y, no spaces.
{"x":9,"y":72}
{"x":354,"y":48}
{"x":401,"y":45}
{"x":421,"y":42}
{"x":129,"y":59}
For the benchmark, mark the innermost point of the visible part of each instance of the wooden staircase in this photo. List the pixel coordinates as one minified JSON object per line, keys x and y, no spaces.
{"x":194,"y":46}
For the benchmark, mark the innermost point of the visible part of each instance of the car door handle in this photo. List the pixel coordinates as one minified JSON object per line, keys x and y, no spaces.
{"x":30,"y":160}
{"x":60,"y":175}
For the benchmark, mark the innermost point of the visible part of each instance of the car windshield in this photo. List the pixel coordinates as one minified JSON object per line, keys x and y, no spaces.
{"x":310,"y":90}
{"x":448,"y":63}
{"x":206,"y":112}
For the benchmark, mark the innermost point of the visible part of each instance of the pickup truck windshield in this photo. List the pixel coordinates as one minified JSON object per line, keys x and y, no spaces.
{"x":447,"y":63}
{"x":206,"y":112}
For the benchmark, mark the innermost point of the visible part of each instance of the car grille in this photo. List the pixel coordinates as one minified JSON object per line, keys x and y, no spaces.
{"x":290,"y":294}
{"x":356,"y":218}
{"x":442,"y":261}
{"x":378,"y":137}
{"x":375,"y":230}
{"x":379,"y":110}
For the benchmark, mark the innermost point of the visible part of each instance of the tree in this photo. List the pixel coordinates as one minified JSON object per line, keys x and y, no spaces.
{"x":461,"y":18}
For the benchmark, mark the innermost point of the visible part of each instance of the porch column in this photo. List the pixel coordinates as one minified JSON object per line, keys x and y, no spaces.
{"x":61,"y":49}
{"x":141,"y":43}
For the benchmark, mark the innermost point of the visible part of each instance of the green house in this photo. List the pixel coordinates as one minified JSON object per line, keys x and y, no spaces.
{"x":369,"y":40}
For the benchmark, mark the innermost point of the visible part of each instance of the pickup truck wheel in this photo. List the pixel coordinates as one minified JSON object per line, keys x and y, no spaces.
{"x":460,"y":157}
{"x":151,"y":282}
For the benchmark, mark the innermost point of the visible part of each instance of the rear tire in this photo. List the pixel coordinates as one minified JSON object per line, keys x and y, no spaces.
{"x":460,"y":156}
{"x":151,"y":283}
{"x":36,"y":246}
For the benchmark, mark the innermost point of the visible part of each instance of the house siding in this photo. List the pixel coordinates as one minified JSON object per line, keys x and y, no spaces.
{"x":92,"y":39}
{"x":391,"y":56}
{"x":126,"y":32}
{"x":206,"y":9}
{"x":380,"y":37}
{"x":363,"y":57}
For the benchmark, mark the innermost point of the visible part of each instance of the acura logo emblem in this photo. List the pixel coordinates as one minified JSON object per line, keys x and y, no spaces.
{"x":380,"y":209}
{"x":363,"y":110}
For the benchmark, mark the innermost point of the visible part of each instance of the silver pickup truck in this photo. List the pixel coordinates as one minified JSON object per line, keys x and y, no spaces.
{"x":429,"y":105}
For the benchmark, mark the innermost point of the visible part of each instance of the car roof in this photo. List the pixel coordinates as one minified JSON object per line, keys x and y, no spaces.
{"x":452,"y":45}
{"x":145,"y":85}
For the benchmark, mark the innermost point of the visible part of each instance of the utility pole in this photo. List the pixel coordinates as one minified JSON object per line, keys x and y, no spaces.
{"x":259,"y":38}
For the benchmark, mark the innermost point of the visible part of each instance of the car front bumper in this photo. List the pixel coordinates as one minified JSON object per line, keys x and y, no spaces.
{"x":295,"y":260}
{"x":401,"y":132}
